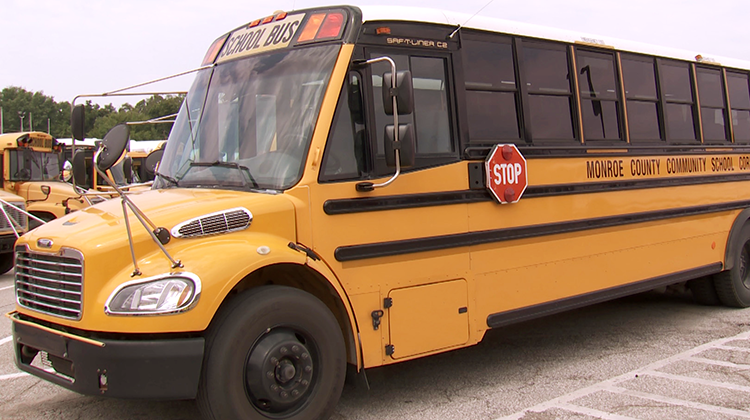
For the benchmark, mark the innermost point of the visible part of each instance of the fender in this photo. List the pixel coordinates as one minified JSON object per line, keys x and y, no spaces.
{"x":733,"y":239}
{"x":322,"y":268}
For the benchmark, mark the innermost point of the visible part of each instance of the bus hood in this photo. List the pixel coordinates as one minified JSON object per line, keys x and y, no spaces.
{"x":100,"y":230}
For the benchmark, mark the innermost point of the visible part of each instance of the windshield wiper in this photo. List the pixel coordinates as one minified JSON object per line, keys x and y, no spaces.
{"x":168,"y":178}
{"x":242,"y":169}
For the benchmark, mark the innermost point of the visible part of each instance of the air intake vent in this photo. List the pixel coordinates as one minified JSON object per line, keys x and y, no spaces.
{"x":16,"y":215}
{"x":225,"y":221}
{"x":50,"y":283}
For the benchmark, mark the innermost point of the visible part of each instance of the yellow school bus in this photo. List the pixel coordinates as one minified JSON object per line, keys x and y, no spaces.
{"x":13,"y":223}
{"x":32,"y":168}
{"x":346,"y":188}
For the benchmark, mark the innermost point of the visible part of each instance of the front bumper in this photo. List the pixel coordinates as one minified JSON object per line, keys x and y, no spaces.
{"x":146,"y":369}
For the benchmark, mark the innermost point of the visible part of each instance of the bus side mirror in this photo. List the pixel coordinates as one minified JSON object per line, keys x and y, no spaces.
{"x":404,"y":93}
{"x":78,"y":122}
{"x":79,"y":168}
{"x":152,"y":161}
{"x":127,"y":169}
{"x":113,"y":144}
{"x":405,"y":145}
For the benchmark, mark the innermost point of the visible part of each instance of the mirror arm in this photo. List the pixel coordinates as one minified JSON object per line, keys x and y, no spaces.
{"x":369,"y":186}
{"x":142,"y":218}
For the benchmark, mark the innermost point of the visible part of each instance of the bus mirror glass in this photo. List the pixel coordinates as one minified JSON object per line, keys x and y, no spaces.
{"x":404,"y":93}
{"x":152,"y":161}
{"x":78,"y":122}
{"x":79,"y":168}
{"x":67,"y":172}
{"x":405,"y":145}
{"x":113,"y":144}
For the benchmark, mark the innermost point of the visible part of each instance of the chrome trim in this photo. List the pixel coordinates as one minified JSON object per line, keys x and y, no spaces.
{"x":188,"y":306}
{"x":30,"y":286}
{"x":205,"y":230}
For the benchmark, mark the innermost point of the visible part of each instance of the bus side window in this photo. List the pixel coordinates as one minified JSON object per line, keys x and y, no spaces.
{"x":344,"y":157}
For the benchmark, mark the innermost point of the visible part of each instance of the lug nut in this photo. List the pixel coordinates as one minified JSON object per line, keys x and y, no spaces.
{"x":284,"y":350}
{"x":283,"y":394}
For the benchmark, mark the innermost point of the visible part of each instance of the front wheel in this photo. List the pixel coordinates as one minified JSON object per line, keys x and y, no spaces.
{"x":733,"y":285}
{"x":272,"y":353}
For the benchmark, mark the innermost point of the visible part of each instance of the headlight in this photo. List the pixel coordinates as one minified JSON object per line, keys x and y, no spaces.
{"x":164,"y":294}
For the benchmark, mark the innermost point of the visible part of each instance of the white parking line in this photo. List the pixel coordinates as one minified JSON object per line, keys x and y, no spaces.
{"x":611,"y":385}
{"x":6,"y":287}
{"x":6,"y":340}
{"x":13,"y":376}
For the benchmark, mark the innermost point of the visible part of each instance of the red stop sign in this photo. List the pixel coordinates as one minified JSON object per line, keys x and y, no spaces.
{"x":506,"y":173}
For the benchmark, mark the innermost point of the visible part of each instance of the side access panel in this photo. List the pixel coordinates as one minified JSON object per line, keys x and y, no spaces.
{"x":427,"y":318}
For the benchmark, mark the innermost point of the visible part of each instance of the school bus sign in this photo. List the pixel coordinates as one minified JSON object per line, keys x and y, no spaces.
{"x":506,"y":173}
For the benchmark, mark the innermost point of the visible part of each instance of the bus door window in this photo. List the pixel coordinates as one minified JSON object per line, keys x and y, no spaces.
{"x":431,"y":117}
{"x":345,"y":157}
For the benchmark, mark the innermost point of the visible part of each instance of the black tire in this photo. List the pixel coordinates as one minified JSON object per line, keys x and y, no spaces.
{"x":733,"y":285}
{"x":6,"y":262}
{"x":272,"y":353}
{"x":704,"y":291}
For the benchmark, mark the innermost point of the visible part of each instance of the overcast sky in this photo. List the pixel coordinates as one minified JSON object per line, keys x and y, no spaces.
{"x":72,"y":47}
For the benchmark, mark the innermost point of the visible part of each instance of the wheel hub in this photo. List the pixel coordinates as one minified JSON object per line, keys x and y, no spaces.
{"x":279,"y":371}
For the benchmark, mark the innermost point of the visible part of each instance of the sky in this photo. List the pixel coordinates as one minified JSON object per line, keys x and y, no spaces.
{"x":76,"y":47}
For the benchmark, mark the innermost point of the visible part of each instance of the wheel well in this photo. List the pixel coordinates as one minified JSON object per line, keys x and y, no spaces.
{"x":742,"y":220}
{"x":303,"y":278}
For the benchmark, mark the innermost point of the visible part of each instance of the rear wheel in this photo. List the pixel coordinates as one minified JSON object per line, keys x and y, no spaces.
{"x":733,"y":285}
{"x":6,"y":262}
{"x":704,"y":291}
{"x":272,"y":353}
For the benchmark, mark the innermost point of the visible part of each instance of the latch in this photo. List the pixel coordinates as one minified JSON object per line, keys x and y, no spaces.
{"x":376,"y":315}
{"x":389,"y":350}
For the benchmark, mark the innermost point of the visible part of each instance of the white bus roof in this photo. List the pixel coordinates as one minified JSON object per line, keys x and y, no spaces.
{"x":417,"y":14}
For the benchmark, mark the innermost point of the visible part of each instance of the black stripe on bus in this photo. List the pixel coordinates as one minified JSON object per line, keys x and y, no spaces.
{"x":435,"y":243}
{"x":502,"y":319}
{"x":409,"y":201}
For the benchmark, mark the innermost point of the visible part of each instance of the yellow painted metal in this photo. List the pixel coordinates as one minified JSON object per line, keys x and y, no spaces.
{"x":428,"y":318}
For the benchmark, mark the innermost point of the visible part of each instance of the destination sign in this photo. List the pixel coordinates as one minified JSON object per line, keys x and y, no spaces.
{"x":258,"y":39}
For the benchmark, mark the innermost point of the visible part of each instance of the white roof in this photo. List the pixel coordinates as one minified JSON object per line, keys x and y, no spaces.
{"x":398,"y":13}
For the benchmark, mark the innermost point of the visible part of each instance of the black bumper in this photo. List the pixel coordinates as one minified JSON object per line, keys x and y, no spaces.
{"x":146,"y":369}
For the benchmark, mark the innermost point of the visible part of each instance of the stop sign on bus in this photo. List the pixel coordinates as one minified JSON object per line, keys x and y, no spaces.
{"x":506,"y":173}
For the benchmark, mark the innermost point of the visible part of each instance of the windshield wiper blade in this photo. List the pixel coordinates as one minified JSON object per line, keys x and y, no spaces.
{"x":243,"y":169}
{"x":168,"y":178}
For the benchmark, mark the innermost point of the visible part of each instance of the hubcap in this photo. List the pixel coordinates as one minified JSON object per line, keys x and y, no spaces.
{"x":279,"y":372}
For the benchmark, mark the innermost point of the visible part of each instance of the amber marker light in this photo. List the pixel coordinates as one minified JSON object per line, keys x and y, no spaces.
{"x":213,"y":51}
{"x":281,"y":16}
{"x":384,"y":30}
{"x":311,"y":27}
{"x":254,"y":23}
{"x":331,"y":26}
{"x":266,"y":20}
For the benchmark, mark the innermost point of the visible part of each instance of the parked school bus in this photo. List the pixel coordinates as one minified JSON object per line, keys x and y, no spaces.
{"x":32,"y":168}
{"x":316,"y":211}
{"x":13,"y":223}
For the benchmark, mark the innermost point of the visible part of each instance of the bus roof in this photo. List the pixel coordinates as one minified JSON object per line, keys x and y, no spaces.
{"x":400,"y":13}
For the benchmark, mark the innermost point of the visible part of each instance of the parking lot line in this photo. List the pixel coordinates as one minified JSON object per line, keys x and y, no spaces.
{"x":6,"y":340}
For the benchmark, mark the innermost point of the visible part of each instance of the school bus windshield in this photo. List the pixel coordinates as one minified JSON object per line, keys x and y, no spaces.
{"x":30,"y":165}
{"x":247,"y":124}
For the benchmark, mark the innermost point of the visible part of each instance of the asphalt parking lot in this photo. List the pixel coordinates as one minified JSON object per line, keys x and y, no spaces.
{"x":651,"y":356}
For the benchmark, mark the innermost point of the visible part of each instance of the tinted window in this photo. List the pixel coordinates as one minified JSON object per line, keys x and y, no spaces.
{"x":710,"y":88}
{"x":492,"y":115}
{"x":643,"y":120}
{"x":741,"y":121}
{"x":550,"y":117}
{"x":488,"y":65}
{"x":739,"y":95}
{"x":680,"y":122}
{"x":546,"y":69}
{"x":639,"y":78}
{"x":600,"y":119}
{"x":675,"y":82}
{"x":596,"y":75}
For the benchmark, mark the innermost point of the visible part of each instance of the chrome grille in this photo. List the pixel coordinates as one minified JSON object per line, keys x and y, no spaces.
{"x":12,"y":209}
{"x":50,"y":283}
{"x":214,"y":223}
